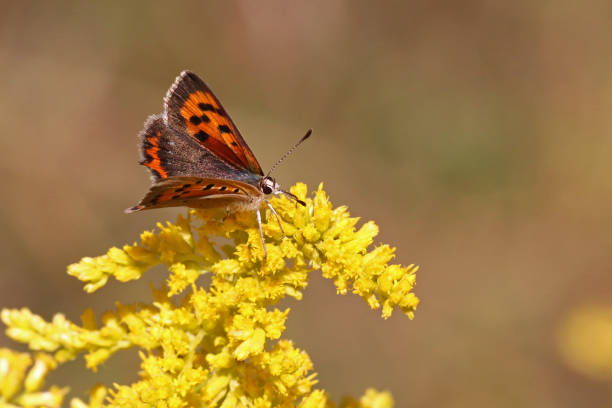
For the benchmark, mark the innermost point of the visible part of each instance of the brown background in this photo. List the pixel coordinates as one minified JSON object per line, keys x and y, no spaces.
{"x":475,"y":133}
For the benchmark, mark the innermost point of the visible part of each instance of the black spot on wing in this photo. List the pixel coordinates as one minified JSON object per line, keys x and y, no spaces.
{"x":195,"y":120}
{"x":206,"y":107}
{"x":182,"y":188}
{"x":224,"y":129}
{"x":202,"y":136}
{"x":222,"y":188}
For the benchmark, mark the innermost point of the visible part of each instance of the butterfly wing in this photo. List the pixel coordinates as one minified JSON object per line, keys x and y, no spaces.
{"x":198,"y":192}
{"x":168,"y":153}
{"x":195,"y":153}
{"x":190,"y":107}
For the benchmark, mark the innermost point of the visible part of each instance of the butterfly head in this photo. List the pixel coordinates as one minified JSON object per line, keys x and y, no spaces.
{"x":268,"y":185}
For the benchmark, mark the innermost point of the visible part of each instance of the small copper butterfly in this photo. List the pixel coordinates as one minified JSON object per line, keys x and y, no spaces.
{"x":198,"y":158}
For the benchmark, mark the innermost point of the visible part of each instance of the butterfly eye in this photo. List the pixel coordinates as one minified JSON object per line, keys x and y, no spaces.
{"x":266,"y":189}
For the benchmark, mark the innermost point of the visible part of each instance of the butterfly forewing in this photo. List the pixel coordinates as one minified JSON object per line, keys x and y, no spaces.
{"x":192,"y":108}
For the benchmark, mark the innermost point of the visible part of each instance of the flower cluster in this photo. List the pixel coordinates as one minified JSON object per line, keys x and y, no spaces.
{"x":219,"y":344}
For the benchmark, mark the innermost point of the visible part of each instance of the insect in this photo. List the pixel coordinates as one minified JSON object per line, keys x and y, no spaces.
{"x":197,"y":157}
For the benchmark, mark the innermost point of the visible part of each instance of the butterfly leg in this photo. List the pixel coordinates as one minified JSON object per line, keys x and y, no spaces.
{"x":263,"y":242}
{"x":277,"y":217}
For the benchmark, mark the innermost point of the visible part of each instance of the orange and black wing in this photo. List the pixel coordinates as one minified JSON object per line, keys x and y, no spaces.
{"x":196,"y":192}
{"x":190,"y":107}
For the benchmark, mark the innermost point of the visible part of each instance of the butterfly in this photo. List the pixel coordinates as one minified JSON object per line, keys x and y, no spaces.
{"x":198,"y":159}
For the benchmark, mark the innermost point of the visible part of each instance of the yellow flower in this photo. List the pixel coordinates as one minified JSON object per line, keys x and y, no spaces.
{"x":585,"y":341}
{"x":21,"y":380}
{"x":219,"y":344}
{"x":371,"y":399}
{"x":96,"y":398}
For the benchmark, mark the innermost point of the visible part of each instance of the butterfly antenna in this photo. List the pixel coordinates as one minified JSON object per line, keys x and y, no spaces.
{"x":290,"y":151}
{"x":293,"y":197}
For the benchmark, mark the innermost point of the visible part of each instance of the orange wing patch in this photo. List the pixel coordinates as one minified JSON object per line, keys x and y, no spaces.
{"x":151,"y":154}
{"x":191,"y":107}
{"x":207,"y":121}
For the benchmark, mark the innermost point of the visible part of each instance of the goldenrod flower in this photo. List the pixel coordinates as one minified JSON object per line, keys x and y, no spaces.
{"x":21,"y":380}
{"x":221,"y":345}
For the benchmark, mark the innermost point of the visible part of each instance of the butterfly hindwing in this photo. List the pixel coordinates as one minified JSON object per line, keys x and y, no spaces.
{"x":190,"y":107}
{"x":150,"y":148}
{"x":168,"y":153}
{"x":196,"y":192}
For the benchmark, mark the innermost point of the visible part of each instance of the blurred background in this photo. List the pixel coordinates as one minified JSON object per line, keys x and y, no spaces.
{"x":475,"y":133}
